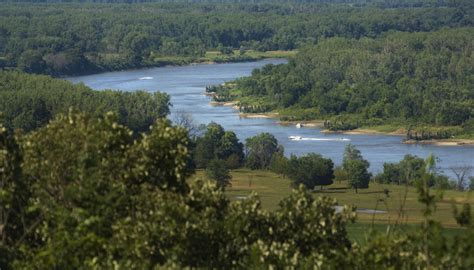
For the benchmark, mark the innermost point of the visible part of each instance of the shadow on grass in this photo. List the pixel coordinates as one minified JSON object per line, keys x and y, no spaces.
{"x":240,"y":189}
{"x":329,"y":191}
{"x":371,"y":192}
{"x":332,"y":190}
{"x":336,"y":188}
{"x":346,"y":190}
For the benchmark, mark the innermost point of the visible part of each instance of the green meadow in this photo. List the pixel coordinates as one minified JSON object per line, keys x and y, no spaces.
{"x":402,"y":211}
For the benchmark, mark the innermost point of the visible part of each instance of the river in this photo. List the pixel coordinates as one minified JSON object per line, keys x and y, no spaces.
{"x":186,"y":84}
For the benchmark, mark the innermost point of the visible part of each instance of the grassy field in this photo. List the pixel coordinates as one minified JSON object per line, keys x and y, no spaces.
{"x":402,"y":206}
{"x":218,"y":57}
{"x":272,"y":188}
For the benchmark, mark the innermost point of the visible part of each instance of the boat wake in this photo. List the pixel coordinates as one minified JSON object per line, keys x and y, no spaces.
{"x":146,"y":78}
{"x":298,"y":138}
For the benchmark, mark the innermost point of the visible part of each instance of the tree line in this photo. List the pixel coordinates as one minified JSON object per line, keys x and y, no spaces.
{"x":75,"y":38}
{"x":28,"y":102}
{"x":218,"y":151}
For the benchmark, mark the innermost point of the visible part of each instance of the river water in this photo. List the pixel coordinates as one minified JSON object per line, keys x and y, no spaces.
{"x":186,"y":84}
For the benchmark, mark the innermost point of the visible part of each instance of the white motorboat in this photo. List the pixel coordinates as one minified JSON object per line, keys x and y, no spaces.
{"x":299,"y":138}
{"x":295,"y":138}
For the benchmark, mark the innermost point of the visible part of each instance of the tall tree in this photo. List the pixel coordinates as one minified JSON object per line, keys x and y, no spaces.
{"x":356,"y":168}
{"x":311,"y":170}
{"x":216,"y":143}
{"x":217,"y":170}
{"x":259,"y":150}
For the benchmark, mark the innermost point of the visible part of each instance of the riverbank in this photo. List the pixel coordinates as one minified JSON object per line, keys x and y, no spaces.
{"x":388,"y":130}
{"x":444,"y":142}
{"x":218,"y":103}
{"x":113,"y":62}
{"x":258,"y":115}
{"x":216,"y":57}
{"x":367,"y":131}
{"x":402,"y":132}
{"x":309,"y":123}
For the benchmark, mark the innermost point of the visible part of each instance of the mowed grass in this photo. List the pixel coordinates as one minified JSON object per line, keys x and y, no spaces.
{"x":401,"y":206}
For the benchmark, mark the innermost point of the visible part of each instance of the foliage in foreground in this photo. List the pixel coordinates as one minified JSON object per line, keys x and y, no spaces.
{"x":83,"y":193}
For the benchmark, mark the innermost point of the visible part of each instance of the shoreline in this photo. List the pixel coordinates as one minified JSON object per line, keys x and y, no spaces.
{"x":443,"y":142}
{"x":305,"y":123}
{"x":258,"y":115}
{"x":184,"y":61}
{"x":366,"y":131}
{"x":360,"y":131}
{"x":219,"y":103}
{"x":402,"y":132}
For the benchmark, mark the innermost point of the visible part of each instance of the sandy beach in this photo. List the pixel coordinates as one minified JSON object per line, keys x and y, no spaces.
{"x":445,"y":142}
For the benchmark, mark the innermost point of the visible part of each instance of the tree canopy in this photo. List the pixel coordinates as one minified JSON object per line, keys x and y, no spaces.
{"x":412,"y":78}
{"x":356,"y":168}
{"x":310,"y":170}
{"x":216,"y":143}
{"x":31,"y":101}
{"x":259,"y":150}
{"x":78,"y":38}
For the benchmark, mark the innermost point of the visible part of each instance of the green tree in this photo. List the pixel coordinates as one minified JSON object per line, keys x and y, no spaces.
{"x":356,"y":168}
{"x":230,"y":149}
{"x":16,"y":220}
{"x":216,"y":143}
{"x":311,"y":170}
{"x":279,"y":163}
{"x":259,"y":150}
{"x":407,"y":171}
{"x":217,"y":170}
{"x":31,"y":61}
{"x":358,"y":176}
{"x":90,"y":178}
{"x":137,"y":46}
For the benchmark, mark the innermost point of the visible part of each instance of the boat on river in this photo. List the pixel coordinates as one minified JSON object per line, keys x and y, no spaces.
{"x":299,"y":138}
{"x":295,"y":138}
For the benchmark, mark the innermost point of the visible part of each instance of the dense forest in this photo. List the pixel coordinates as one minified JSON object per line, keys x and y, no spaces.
{"x":77,"y":38}
{"x":412,"y":77}
{"x":28,"y":102}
